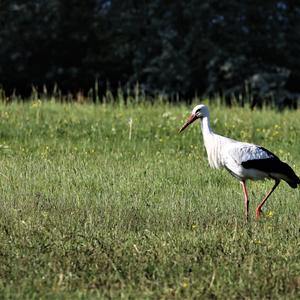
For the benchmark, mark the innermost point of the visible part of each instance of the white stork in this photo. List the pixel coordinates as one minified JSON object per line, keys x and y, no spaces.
{"x":242,"y":160}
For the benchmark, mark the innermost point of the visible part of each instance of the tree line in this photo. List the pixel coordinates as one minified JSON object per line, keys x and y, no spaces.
{"x":239,"y":50}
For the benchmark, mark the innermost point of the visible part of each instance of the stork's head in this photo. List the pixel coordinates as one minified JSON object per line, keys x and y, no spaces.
{"x":199,"y":112}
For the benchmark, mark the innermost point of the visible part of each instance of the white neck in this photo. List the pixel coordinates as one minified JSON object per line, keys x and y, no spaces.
{"x":212,"y":143}
{"x":205,"y":126}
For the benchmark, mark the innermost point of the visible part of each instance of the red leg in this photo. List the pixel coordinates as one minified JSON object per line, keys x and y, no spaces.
{"x":243,"y":183}
{"x":258,"y":209}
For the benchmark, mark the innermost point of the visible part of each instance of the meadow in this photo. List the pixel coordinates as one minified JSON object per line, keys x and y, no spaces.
{"x":109,"y":201}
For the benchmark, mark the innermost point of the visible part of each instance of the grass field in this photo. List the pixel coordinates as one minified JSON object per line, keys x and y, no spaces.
{"x":107,"y":201}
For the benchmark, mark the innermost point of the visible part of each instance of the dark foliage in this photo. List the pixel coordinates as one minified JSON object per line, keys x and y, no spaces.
{"x":241,"y":50}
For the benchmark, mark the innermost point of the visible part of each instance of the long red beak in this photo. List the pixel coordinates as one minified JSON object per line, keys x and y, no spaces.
{"x":188,"y":122}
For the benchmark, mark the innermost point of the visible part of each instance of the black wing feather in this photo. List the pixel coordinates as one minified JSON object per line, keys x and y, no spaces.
{"x":273,"y":165}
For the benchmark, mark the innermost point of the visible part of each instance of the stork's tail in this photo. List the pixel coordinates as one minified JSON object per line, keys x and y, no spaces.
{"x":289,"y":175}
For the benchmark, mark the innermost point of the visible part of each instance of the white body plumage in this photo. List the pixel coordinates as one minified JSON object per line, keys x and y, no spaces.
{"x":228,"y":153}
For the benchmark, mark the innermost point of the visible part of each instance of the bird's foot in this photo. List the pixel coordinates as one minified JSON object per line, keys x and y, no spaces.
{"x":258,"y":213}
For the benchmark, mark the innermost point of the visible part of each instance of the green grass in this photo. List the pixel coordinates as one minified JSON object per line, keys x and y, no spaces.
{"x":87,"y":212}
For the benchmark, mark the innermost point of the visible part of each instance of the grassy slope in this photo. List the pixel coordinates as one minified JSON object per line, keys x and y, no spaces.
{"x":87,"y":212}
